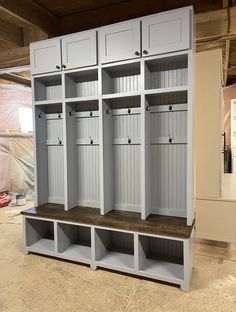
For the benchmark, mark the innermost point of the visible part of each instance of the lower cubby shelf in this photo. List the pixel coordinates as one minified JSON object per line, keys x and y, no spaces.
{"x":114,"y":249}
{"x":161,"y":258}
{"x":40,"y":235}
{"x":74,"y":242}
{"x":127,"y":246}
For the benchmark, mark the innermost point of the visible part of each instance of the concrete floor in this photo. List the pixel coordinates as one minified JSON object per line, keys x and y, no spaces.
{"x":35,"y":283}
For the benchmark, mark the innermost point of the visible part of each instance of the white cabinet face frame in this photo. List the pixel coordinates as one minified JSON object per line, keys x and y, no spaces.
{"x":166,"y":32}
{"x":79,"y":50}
{"x":45,"y":56}
{"x":120,"y":41}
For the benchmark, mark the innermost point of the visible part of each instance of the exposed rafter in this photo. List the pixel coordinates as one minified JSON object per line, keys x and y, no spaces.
{"x":31,"y":15}
{"x":226,"y":62}
{"x":11,"y":34}
{"x":16,"y":79}
{"x":14,"y":57}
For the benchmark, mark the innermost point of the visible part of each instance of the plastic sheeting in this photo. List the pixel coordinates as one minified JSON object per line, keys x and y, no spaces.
{"x":16,"y":164}
{"x":16,"y":149}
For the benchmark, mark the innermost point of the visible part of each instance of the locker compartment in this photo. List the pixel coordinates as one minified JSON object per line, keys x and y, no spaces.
{"x":83,"y":153}
{"x":122,"y":155}
{"x":49,"y":153}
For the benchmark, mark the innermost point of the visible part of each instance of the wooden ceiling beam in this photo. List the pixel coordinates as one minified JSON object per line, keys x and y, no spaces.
{"x":14,"y":57}
{"x":11,"y":34}
{"x":226,"y":62}
{"x":16,"y":79}
{"x":32,"y":15}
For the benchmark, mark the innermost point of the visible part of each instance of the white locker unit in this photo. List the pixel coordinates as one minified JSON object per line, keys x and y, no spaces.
{"x":114,"y":147}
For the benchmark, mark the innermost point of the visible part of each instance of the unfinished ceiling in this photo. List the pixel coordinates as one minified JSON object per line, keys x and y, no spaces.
{"x":25,"y":21}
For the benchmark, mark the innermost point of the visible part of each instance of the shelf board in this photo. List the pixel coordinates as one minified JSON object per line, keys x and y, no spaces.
{"x":43,"y":245}
{"x":48,"y":102}
{"x":77,"y":252}
{"x":164,"y":270}
{"x":166,"y":90}
{"x":120,"y":95}
{"x":123,"y":220}
{"x":118,"y":259}
{"x":82,"y":99}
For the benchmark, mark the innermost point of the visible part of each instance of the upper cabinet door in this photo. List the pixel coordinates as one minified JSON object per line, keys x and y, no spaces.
{"x":166,"y":32}
{"x":120,"y":41}
{"x":45,"y":56}
{"x":79,"y":50}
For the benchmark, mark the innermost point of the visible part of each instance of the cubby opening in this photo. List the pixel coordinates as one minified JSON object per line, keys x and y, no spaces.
{"x":74,"y":241}
{"x":163,"y":258}
{"x":122,"y":123}
{"x":40,"y":235}
{"x":121,"y":79}
{"x":50,"y":156}
{"x":48,"y":88}
{"x":115,"y":249}
{"x":167,"y":152}
{"x":83,"y":141}
{"x":82,"y":83}
{"x":166,"y":72}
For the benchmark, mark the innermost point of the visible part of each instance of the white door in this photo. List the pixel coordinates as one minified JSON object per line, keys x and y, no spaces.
{"x":119,"y":41}
{"x":166,"y":32}
{"x":79,"y":50}
{"x":45,"y":56}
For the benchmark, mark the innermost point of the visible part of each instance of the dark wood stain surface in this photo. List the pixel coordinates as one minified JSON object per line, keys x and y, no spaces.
{"x":123,"y":220}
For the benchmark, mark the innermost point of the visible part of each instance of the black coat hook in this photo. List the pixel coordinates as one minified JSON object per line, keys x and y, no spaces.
{"x":91,"y":114}
{"x":170,"y":139}
{"x":91,"y":141}
{"x":170,"y":107}
{"x":40,"y":115}
{"x":59,"y":115}
{"x":71,"y":113}
{"x":148,"y":108}
{"x":59,"y":141}
{"x":129,"y":110}
{"x":129,"y":140}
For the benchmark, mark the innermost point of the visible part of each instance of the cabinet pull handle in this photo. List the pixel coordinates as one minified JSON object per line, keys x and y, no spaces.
{"x":59,"y":141}
{"x":145,"y":52}
{"x":137,"y":53}
{"x":57,"y":67}
{"x":63,"y":66}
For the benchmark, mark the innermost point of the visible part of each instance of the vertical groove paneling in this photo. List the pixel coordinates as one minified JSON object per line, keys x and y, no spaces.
{"x":53,"y":92}
{"x":168,"y":163}
{"x":55,"y":174}
{"x":168,"y":74}
{"x":88,"y":163}
{"x":127,"y":163}
{"x":87,"y":87}
{"x":54,"y":130}
{"x":165,"y":123}
{"x":165,"y":248}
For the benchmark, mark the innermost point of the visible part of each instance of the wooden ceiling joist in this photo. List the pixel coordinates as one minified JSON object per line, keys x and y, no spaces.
{"x":16,"y":79}
{"x":14,"y":57}
{"x":11,"y":34}
{"x":226,"y":61}
{"x":32,"y":15}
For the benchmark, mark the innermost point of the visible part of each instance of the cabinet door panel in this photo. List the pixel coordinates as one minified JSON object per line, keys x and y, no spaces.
{"x":120,"y":41}
{"x":79,"y":50}
{"x":166,"y":32}
{"x":45,"y":56}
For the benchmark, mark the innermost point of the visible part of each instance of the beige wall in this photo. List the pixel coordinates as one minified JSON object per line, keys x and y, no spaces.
{"x":215,"y":218}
